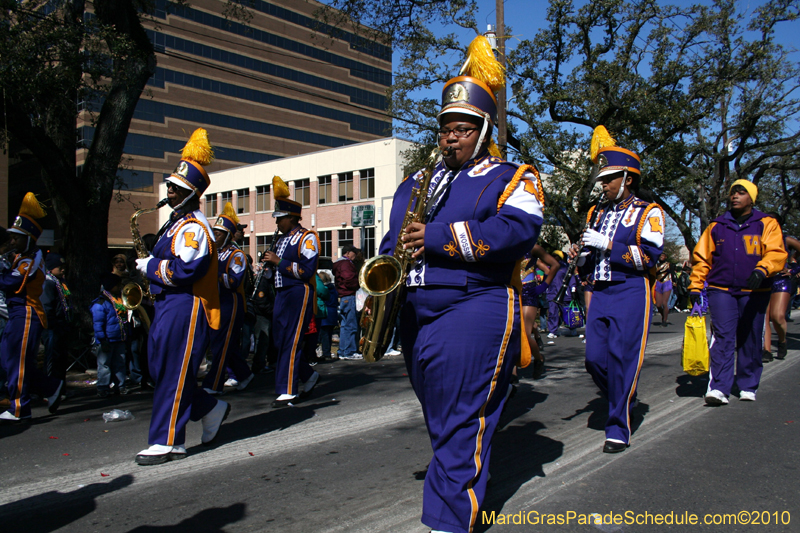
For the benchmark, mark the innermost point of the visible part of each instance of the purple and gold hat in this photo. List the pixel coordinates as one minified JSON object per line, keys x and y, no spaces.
{"x":283,"y":205}
{"x":190,"y":173}
{"x":228,"y":220}
{"x":25,"y":223}
{"x":470,"y":96}
{"x":611,"y":158}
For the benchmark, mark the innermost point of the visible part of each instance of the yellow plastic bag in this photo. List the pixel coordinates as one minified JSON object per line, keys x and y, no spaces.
{"x":695,"y":345}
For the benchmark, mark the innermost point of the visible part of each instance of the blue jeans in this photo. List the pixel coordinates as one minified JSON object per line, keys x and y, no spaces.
{"x":348,"y":329}
{"x":325,"y":336}
{"x":111,"y":362}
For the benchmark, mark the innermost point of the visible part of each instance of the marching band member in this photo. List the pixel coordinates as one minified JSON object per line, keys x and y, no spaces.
{"x":225,"y":341}
{"x":782,"y":289}
{"x":737,"y":255}
{"x":623,"y":247}
{"x":295,"y":260}
{"x":23,"y":284}
{"x":182,"y":272}
{"x":460,"y":324}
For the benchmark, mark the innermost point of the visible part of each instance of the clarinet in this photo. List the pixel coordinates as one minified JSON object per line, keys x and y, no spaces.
{"x":261,"y":272}
{"x":573,"y":263}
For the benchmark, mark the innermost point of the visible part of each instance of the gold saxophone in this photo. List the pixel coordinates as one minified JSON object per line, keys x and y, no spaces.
{"x":133,"y":294}
{"x":384,"y":276}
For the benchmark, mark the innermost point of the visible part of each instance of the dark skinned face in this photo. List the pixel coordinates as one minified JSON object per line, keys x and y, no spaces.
{"x":741,"y":202}
{"x":176,"y":194}
{"x":459,"y":150}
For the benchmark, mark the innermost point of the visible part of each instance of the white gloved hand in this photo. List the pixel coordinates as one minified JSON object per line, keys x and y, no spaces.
{"x":141,"y":264}
{"x":595,"y":239}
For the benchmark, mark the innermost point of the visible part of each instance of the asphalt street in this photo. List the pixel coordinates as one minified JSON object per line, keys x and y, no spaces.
{"x":352,"y":458}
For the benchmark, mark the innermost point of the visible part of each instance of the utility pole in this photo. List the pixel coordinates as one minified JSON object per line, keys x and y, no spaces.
{"x":502,"y":137}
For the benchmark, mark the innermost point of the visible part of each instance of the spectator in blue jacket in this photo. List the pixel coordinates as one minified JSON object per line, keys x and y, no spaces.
{"x":111,"y":328}
{"x":331,"y":320}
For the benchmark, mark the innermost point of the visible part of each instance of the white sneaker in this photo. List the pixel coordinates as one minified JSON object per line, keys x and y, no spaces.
{"x":393,"y":352}
{"x":581,"y":336}
{"x":244,"y":383}
{"x":213,"y":420}
{"x":8,"y":417}
{"x":353,"y":357}
{"x":158,"y":454}
{"x":715,"y":397}
{"x":213,"y":392}
{"x":231,"y":383}
{"x":747,"y":396}
{"x":551,"y":342}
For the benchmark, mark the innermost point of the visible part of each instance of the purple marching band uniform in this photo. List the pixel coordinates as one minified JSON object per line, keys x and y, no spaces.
{"x":225,"y":341}
{"x":295,"y":294}
{"x":728,"y":252}
{"x":23,"y":284}
{"x":460,"y":326}
{"x":183,"y":278}
{"x":619,"y":318}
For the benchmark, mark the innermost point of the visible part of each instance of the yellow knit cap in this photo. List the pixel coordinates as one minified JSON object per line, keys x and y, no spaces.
{"x":749,"y":186}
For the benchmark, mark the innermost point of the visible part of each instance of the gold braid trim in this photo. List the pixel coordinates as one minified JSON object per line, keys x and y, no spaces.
{"x":511,"y":187}
{"x":644,"y":218}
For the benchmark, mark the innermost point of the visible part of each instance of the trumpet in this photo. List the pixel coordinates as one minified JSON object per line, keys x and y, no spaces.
{"x":132,"y":293}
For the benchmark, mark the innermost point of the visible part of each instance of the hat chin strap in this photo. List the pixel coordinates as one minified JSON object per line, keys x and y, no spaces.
{"x":180,"y":205}
{"x":622,"y":187}
{"x":482,"y":138}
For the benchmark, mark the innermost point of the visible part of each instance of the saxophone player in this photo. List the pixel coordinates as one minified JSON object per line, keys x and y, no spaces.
{"x":182,"y":272}
{"x":460,"y":324}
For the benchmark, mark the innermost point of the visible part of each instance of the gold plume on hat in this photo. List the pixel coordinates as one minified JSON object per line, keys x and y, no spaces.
{"x":279,"y":188}
{"x":198,"y":148}
{"x":601,"y":139}
{"x":229,"y":212}
{"x":31,"y":207}
{"x":483,"y":65}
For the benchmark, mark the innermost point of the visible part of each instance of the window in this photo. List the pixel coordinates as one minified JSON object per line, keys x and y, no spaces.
{"x":325,"y":244}
{"x":345,"y":238}
{"x":227,"y":196}
{"x":369,"y":242}
{"x":345,"y":186}
{"x":211,"y":205}
{"x":242,"y":201}
{"x":302,"y":192}
{"x":134,"y":180}
{"x":324,"y":193}
{"x":366,"y":184}
{"x":246,"y":245}
{"x":262,"y":245}
{"x":263,"y":198}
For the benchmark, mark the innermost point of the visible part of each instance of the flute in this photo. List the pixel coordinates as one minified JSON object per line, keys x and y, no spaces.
{"x":573,"y":263}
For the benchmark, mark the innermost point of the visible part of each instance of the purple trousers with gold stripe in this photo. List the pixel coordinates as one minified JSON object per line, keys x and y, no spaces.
{"x":178,"y":340}
{"x":294,"y":306}
{"x":19,"y":349}
{"x":616,"y":337}
{"x":226,"y":344}
{"x":737,"y":325}
{"x":459,"y":344}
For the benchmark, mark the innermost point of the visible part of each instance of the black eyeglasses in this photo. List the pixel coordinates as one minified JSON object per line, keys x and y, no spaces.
{"x":171,"y":185}
{"x":460,"y":133}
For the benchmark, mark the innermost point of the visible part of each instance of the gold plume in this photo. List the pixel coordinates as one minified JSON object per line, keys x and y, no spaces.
{"x":31,"y":207}
{"x":229,"y":212}
{"x":601,"y":139}
{"x":483,"y":65}
{"x":279,"y":188}
{"x":198,"y":148}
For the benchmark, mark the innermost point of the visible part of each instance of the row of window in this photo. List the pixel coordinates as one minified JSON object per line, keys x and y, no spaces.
{"x":357,"y":43}
{"x":356,"y":122}
{"x":152,"y":111}
{"x":356,"y":95}
{"x":156,"y":147}
{"x":302,"y":193}
{"x":326,"y":249}
{"x":356,"y":68}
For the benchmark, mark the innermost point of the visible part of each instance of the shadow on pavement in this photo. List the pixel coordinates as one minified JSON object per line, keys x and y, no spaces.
{"x":519,"y":454}
{"x":53,"y":510}
{"x":208,"y":521}
{"x":691,"y":386}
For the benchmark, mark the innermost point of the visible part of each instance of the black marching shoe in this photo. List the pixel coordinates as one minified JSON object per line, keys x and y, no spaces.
{"x":781,"y":351}
{"x":614,"y":447}
{"x":766,"y":356}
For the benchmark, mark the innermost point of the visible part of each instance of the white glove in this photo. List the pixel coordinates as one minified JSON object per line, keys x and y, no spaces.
{"x":141,"y":264}
{"x":582,"y":258}
{"x":595,"y":239}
